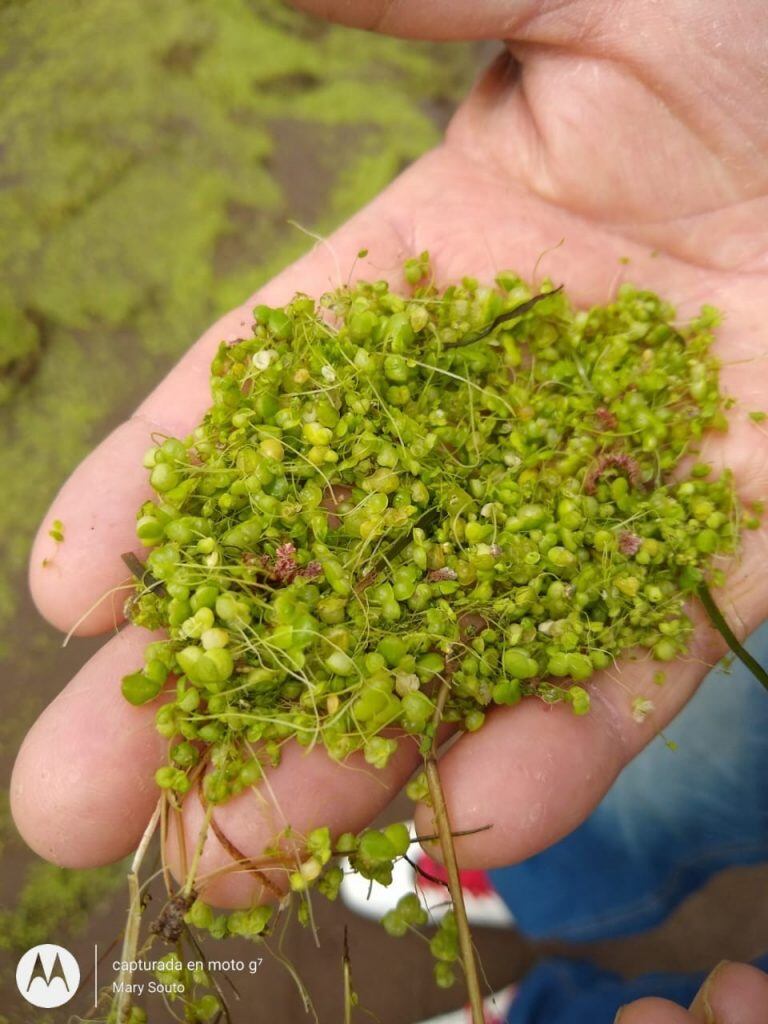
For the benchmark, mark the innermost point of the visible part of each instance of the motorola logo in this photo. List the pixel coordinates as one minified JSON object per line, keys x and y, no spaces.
{"x":47,"y":976}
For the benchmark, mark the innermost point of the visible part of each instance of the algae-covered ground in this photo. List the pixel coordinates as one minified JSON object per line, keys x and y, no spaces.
{"x":152,"y":155}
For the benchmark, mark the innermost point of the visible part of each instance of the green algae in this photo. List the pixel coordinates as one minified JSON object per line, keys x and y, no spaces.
{"x":55,"y":902}
{"x":146,"y":190}
{"x":152,"y":155}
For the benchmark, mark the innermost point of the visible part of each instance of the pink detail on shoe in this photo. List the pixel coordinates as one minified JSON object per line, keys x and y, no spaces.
{"x":475,"y":882}
{"x":495,"y":1010}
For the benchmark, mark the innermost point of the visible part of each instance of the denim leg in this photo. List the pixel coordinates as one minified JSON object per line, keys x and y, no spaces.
{"x":672,"y":819}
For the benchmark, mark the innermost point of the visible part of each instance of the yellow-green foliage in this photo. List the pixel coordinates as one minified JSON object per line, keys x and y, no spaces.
{"x":152,"y":155}
{"x":54,"y":902}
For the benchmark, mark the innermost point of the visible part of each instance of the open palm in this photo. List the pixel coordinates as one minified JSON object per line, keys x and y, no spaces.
{"x":612,"y":141}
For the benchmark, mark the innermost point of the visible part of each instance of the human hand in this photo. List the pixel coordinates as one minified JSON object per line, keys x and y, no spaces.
{"x":732,"y":994}
{"x":624,"y":129}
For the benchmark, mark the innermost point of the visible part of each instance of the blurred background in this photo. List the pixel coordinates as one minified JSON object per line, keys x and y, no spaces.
{"x":152,"y":157}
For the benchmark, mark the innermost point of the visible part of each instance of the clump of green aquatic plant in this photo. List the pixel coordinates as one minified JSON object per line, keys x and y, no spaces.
{"x":407,"y":510}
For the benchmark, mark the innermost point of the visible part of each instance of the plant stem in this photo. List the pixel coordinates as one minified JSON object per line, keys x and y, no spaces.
{"x":141,"y":573}
{"x":347,"y":970}
{"x":189,"y":884}
{"x":718,"y":621}
{"x":457,"y":834}
{"x":131,"y":934}
{"x":443,"y":827}
{"x":211,"y":975}
{"x":424,"y":522}
{"x":247,"y":863}
{"x":524,"y":307}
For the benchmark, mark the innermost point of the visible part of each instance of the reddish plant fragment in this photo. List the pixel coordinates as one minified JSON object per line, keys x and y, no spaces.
{"x":613,"y":460}
{"x":607,"y":418}
{"x":284,"y":569}
{"x":629,"y":543}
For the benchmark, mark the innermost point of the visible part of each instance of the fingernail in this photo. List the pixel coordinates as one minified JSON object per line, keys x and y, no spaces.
{"x":702,"y":1000}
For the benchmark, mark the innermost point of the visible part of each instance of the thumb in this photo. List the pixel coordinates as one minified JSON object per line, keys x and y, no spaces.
{"x":428,"y":19}
{"x":732,"y":994}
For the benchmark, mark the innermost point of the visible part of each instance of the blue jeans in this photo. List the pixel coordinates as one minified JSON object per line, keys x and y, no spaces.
{"x":569,"y":992}
{"x":672,"y":819}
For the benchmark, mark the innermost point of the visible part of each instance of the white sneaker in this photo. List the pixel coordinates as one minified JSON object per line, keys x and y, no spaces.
{"x":370,"y":899}
{"x":495,"y":1010}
